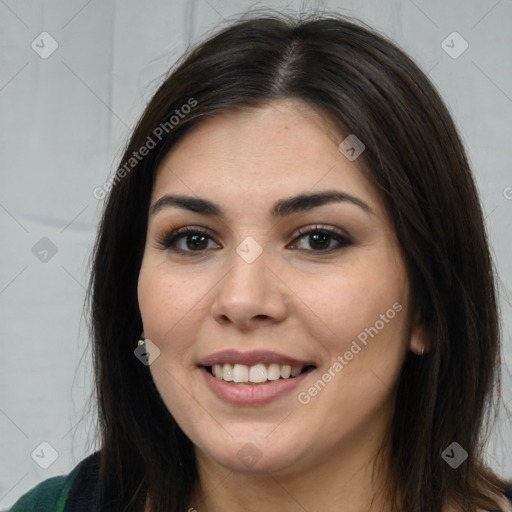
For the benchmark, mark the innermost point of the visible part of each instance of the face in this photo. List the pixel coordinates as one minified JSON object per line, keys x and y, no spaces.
{"x":269,"y":252}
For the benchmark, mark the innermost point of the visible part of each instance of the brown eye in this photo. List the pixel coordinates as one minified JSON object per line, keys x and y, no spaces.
{"x":187,"y":240}
{"x":196,"y":242}
{"x":320,"y":239}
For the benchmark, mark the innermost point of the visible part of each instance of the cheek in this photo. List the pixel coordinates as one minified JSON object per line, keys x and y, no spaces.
{"x":363,"y":326}
{"x":351,"y":297}
{"x":172,"y":305}
{"x":164,"y":297}
{"x":159,"y":308}
{"x":153,"y":294}
{"x":358,"y":311}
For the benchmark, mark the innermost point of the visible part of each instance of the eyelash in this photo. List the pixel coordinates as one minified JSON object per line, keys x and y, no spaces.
{"x":167,"y":240}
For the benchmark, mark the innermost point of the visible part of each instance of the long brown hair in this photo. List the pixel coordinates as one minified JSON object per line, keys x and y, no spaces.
{"x":413,"y":155}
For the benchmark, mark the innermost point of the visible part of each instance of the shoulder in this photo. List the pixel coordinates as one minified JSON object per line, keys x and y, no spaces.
{"x":54,"y":494}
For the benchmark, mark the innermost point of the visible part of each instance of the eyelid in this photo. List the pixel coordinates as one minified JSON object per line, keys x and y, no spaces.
{"x":172,"y":233}
{"x":342,"y":238}
{"x":305,"y":230}
{"x":168,"y":238}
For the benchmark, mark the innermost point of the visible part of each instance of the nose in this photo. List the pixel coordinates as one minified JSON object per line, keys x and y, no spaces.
{"x":250,"y":294}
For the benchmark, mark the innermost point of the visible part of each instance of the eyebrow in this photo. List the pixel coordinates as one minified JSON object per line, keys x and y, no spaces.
{"x":282,"y":208}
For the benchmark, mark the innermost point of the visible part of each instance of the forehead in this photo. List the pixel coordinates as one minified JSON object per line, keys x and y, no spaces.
{"x":262,"y":154}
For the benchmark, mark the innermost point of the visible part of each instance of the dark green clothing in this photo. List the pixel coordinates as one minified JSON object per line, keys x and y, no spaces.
{"x":75,"y":492}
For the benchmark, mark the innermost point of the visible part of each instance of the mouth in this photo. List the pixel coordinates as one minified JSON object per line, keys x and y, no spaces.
{"x":259,"y":373}
{"x":253,"y":378}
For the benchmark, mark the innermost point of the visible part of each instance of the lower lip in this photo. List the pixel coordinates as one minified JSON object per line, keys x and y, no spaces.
{"x":252,"y":394}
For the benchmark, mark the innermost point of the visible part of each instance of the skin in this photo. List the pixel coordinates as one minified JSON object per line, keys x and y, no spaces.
{"x":293,"y":299}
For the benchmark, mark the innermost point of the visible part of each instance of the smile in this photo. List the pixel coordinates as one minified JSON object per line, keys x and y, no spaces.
{"x":255,"y":374}
{"x":253,"y":378}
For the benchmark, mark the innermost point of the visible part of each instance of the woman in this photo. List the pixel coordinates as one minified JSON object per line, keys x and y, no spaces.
{"x":295,"y":234}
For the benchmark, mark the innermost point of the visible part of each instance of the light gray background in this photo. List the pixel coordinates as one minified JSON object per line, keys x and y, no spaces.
{"x":63,"y":123}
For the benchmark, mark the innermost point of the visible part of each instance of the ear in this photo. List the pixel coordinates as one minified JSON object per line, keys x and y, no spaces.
{"x":420,"y":341}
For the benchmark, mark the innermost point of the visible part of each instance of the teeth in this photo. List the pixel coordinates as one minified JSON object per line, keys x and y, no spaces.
{"x":295,"y":371}
{"x":256,"y":374}
{"x":240,"y":373}
{"x":273,"y":372}
{"x":227,"y":372}
{"x":217,"y":370}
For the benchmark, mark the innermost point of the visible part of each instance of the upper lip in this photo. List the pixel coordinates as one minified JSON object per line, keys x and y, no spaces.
{"x":251,"y":358}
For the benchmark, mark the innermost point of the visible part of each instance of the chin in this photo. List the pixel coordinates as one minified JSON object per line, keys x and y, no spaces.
{"x":249,"y":459}
{"x":246,"y":452}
